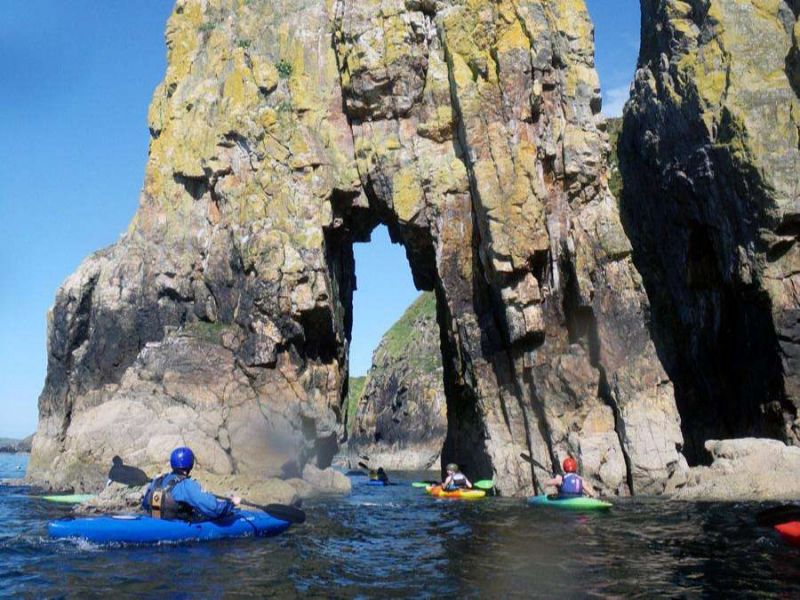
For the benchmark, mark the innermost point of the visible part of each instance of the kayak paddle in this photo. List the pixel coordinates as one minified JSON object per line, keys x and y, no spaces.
{"x":290,"y":514}
{"x":484,"y":484}
{"x":778,"y":514}
{"x":422,"y":484}
{"x":535,"y":463}
{"x":364,"y":466}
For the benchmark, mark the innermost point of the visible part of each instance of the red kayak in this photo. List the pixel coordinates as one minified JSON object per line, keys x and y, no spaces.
{"x":790,"y":532}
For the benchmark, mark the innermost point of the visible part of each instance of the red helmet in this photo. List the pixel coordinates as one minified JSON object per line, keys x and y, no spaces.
{"x":570,"y":466}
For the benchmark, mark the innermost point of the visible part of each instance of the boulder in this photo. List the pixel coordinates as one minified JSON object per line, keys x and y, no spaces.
{"x":747,"y":469}
{"x":324,"y":481}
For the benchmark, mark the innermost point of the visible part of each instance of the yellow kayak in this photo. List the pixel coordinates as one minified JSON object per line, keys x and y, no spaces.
{"x":436,"y":490}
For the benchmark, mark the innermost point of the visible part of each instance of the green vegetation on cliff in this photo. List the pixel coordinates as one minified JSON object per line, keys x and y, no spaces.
{"x":399,"y":341}
{"x":354,"y":390}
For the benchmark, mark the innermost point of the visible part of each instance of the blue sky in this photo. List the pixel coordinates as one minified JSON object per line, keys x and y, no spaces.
{"x":76,"y":80}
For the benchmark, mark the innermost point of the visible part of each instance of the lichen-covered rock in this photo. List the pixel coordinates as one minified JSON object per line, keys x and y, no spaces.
{"x":401,"y":418}
{"x":495,"y":181}
{"x":709,"y":157}
{"x":742,"y":469}
{"x":218,"y":320}
{"x":283,"y":133}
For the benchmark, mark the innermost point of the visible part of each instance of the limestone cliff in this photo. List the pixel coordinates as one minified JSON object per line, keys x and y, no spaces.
{"x":284,"y":131}
{"x":401,"y":416}
{"x":710,"y":159}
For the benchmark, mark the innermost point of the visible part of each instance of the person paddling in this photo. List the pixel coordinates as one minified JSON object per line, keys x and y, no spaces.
{"x":175,"y":496}
{"x":455,"y":479}
{"x":382,"y":476}
{"x":570,"y":485}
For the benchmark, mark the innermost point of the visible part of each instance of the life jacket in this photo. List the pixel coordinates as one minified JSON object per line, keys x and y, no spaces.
{"x":571,"y":485}
{"x":161,"y":502}
{"x":459,"y":482}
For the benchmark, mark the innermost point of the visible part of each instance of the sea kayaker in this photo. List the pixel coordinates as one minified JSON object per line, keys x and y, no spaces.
{"x":382,"y":476}
{"x":455,"y":479}
{"x":176,"y":496}
{"x":570,"y":485}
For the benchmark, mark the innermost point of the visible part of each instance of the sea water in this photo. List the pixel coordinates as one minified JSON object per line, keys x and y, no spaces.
{"x":397,"y":542}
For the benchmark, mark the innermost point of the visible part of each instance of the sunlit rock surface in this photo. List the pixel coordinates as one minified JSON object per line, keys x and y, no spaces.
{"x":284,"y":131}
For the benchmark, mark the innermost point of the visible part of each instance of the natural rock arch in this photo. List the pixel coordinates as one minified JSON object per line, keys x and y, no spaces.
{"x":470,"y":130}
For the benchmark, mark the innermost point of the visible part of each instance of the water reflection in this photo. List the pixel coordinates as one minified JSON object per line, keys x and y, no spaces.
{"x":397,"y":542}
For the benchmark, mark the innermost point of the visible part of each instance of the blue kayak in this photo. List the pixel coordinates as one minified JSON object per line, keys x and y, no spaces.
{"x":580,"y":503}
{"x":136,"y":529}
{"x":377,"y":482}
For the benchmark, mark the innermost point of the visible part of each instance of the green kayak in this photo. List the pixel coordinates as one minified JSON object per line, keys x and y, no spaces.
{"x":68,"y":499}
{"x":582,"y":503}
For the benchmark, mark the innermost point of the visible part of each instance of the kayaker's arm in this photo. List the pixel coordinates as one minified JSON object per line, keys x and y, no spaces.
{"x":208,"y":505}
{"x":588,"y":491}
{"x":468,"y":482}
{"x":146,"y":498}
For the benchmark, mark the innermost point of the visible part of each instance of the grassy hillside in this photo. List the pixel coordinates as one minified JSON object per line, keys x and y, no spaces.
{"x":403,"y":339}
{"x":354,"y":391}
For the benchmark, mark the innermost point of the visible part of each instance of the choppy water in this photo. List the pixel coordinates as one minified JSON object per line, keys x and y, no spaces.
{"x":396,"y":542}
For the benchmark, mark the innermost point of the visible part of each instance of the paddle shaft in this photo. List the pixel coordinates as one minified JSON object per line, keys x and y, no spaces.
{"x":278,"y":511}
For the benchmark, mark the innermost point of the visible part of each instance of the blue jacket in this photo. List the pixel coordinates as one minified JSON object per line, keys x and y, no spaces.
{"x":190,"y":493}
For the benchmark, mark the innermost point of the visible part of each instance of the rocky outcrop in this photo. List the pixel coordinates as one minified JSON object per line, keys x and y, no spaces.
{"x":116,"y":497}
{"x":9,"y":445}
{"x":401,"y":418}
{"x":709,"y":157}
{"x":742,"y":469}
{"x":282,"y":134}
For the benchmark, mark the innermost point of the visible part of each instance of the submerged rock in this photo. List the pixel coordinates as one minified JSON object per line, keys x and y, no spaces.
{"x":283,"y":133}
{"x":401,"y":417}
{"x":709,"y":156}
{"x":742,"y":469}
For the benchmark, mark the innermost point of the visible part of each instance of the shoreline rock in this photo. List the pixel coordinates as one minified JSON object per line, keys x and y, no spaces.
{"x":117,"y":497}
{"x":745,"y":469}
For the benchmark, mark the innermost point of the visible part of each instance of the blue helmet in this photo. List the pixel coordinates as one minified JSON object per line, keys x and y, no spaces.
{"x":182,"y":458}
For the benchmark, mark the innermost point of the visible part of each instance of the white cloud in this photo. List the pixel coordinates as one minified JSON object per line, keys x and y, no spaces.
{"x":614,"y":100}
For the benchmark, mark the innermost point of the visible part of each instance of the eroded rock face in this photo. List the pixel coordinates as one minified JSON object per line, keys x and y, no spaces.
{"x":710,"y":158}
{"x":471,"y":129}
{"x":401,"y":418}
{"x":495,"y":181}
{"x":218,"y":320}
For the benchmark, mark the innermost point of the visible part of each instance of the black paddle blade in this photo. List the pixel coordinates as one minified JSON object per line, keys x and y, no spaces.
{"x":290,"y":514}
{"x":778,"y":514}
{"x":286,"y":513}
{"x":363,"y":466}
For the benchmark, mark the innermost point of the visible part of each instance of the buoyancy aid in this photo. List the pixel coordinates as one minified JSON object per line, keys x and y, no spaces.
{"x":571,"y":485}
{"x":458,"y":482}
{"x":162,"y":504}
